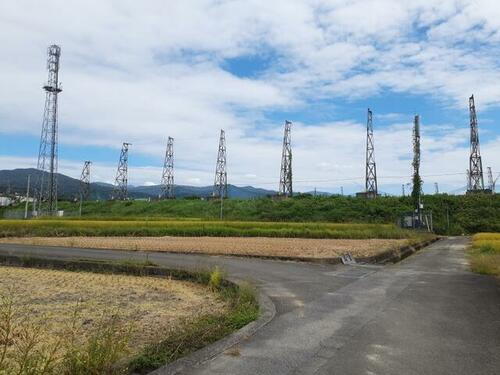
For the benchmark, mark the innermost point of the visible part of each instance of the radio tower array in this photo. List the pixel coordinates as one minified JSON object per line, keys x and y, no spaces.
{"x":371,"y":168}
{"x":476,"y":182}
{"x":120,"y":191}
{"x":285,"y":187}
{"x":85,"y":181}
{"x":47,"y":154}
{"x":220,"y":182}
{"x":167,"y":178}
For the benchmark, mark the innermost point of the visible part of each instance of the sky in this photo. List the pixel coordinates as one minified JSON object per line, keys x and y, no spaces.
{"x":139,"y":72}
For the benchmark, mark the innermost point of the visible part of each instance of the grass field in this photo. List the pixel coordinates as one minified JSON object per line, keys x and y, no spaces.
{"x":485,"y":253}
{"x":197,"y":228}
{"x":57,"y":302}
{"x":66,"y":322}
{"x":452,"y":214}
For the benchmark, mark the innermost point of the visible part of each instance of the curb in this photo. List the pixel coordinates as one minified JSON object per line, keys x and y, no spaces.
{"x":183,"y":365}
{"x":266,"y":306}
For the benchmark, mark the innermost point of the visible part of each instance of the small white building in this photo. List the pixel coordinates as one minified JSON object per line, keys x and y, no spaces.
{"x":5,"y":201}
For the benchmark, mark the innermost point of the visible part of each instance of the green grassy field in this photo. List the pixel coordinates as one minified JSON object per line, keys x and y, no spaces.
{"x":452,"y":214}
{"x":53,"y":227}
{"x":485,"y":253}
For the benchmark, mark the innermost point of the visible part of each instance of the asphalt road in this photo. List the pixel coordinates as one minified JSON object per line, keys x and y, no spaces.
{"x":426,"y":315}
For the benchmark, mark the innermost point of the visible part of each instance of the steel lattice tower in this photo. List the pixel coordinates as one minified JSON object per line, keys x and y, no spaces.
{"x":371,"y":168}
{"x":47,"y":154}
{"x":285,"y":187}
{"x":167,"y":178}
{"x":220,"y":182}
{"x":476,"y":182}
{"x":491,"y":182}
{"x":120,"y":191}
{"x":85,"y":181}
{"x":417,"y":181}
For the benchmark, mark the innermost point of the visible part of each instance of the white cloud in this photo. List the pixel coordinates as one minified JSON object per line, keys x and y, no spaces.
{"x":140,"y":73}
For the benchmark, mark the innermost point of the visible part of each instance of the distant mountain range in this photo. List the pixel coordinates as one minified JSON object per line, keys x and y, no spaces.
{"x":15,"y":181}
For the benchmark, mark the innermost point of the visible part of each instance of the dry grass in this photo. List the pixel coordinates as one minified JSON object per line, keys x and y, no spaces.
{"x":485,"y":253}
{"x":290,"y":247}
{"x":153,"y":306}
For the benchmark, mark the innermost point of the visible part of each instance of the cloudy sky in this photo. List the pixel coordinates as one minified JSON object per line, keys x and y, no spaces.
{"x":140,"y":71}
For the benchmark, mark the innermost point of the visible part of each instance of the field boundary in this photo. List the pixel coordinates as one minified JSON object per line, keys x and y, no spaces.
{"x":396,"y":255}
{"x":267,"y":309}
{"x":388,"y":256}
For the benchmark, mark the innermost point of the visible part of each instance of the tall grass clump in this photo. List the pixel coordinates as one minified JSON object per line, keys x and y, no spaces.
{"x":24,"y":350}
{"x":484,"y":254}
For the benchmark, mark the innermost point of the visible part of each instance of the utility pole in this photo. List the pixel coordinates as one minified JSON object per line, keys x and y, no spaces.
{"x":476,"y":182}
{"x":85,"y":183}
{"x":220,"y":181}
{"x":417,"y":181}
{"x":47,"y":153}
{"x":342,"y":190}
{"x":285,"y":188}
{"x":436,"y":188}
{"x":403,"y":190}
{"x":371,"y":169}
{"x":120,"y":191}
{"x":167,"y":179}
{"x":27,"y":198}
{"x":491,"y":183}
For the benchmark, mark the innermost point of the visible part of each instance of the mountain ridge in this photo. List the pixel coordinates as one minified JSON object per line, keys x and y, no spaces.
{"x":14,"y":181}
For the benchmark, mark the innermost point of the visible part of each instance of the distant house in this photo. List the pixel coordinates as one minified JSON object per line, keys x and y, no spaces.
{"x":5,"y":201}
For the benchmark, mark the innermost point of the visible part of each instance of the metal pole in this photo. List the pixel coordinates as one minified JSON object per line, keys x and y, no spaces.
{"x":448,"y":218}
{"x":27,"y":199}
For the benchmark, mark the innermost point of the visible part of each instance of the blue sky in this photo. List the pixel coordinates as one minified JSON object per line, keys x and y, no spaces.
{"x":141,"y":72}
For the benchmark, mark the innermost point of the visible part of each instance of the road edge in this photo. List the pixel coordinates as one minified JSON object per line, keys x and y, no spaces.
{"x":267,"y":313}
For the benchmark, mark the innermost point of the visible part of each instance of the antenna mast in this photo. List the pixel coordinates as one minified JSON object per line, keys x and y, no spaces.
{"x":417,"y":181}
{"x":285,"y":187}
{"x":476,"y":182}
{"x":120,"y":191}
{"x":167,"y":179}
{"x":85,"y":181}
{"x":47,"y":154}
{"x":220,"y":182}
{"x":371,"y":169}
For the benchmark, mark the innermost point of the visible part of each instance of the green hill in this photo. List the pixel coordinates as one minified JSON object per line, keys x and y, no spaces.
{"x":466,"y":213}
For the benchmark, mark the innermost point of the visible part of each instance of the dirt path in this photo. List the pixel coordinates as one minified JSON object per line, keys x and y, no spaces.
{"x":290,"y":247}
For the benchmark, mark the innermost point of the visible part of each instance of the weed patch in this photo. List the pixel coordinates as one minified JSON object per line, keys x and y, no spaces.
{"x":484,"y":253}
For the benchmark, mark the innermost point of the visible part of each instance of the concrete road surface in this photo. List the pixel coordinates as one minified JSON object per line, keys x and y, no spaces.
{"x":425,"y":315}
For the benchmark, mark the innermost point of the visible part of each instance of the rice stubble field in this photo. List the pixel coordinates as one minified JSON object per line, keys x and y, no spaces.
{"x":55,"y":301}
{"x":246,"y":246}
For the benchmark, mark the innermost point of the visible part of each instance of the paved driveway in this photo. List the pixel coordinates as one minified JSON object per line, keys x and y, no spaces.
{"x":425,"y":315}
